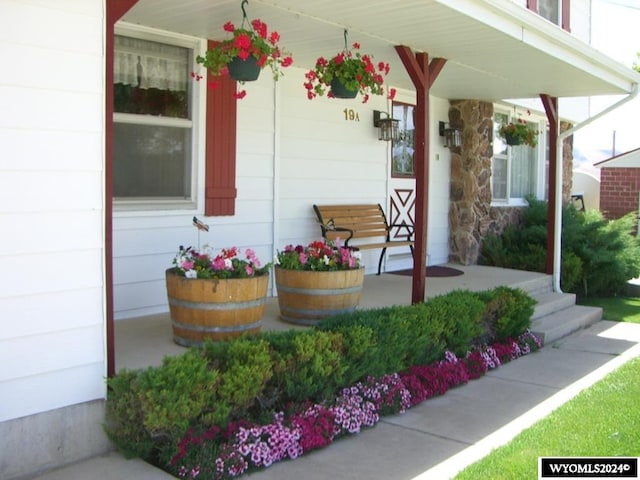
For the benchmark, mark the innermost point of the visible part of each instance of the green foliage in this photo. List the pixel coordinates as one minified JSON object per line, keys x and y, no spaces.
{"x":461,"y":312}
{"x":246,"y":366}
{"x":183,"y":390}
{"x":125,"y":416}
{"x":598,"y":256}
{"x":507,"y":313}
{"x":250,"y":378}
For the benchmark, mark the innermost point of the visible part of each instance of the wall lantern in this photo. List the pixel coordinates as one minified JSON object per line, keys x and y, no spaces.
{"x":452,"y":136}
{"x":387,"y":127}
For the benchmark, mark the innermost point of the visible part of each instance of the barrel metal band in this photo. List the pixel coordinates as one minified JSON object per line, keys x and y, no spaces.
{"x":331,"y":291}
{"x":216,"y":306}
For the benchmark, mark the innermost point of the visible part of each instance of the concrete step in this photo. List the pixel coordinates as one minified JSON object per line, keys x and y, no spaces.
{"x":537,"y":286}
{"x":563,"y":322}
{"x":550,"y":302}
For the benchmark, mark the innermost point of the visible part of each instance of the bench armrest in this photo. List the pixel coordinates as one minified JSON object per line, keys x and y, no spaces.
{"x":331,"y":227}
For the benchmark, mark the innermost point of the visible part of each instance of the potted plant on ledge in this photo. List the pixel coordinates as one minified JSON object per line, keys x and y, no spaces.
{"x":317,"y":281}
{"x":215,"y":296}
{"x":519,"y":133}
{"x":347,"y":74}
{"x":246,"y":53}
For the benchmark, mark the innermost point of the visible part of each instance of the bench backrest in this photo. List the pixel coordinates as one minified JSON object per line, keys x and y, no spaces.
{"x":365,"y":220}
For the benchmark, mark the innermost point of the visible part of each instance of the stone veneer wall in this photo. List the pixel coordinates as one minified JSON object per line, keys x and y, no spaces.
{"x":471,"y":216}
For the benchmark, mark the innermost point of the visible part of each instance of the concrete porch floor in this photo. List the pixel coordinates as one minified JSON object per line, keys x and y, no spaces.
{"x":144,"y":341}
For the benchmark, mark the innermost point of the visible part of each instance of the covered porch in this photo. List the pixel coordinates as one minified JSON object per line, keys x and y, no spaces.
{"x":144,"y":341}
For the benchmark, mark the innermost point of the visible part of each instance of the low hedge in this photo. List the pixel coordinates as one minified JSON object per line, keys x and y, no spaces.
{"x":250,"y":378}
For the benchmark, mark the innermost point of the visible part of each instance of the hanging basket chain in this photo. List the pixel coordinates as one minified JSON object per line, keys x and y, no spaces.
{"x":244,"y":13}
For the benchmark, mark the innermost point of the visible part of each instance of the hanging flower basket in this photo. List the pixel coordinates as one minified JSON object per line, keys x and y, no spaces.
{"x":246,"y":70}
{"x":518,"y":133}
{"x":512,"y":139}
{"x":355,"y":71}
{"x":340,"y":91}
{"x":251,"y":45}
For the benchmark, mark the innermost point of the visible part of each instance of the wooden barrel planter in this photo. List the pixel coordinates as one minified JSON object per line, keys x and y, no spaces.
{"x":306,"y":297}
{"x":214,"y":309}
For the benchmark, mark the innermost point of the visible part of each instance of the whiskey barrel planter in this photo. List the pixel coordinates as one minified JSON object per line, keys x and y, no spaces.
{"x":306,"y":297}
{"x":214,"y":309}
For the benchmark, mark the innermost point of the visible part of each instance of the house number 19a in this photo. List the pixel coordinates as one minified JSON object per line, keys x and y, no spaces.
{"x":351,"y":115}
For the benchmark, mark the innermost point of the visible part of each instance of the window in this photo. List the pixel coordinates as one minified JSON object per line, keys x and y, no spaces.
{"x":550,"y":9}
{"x":517,"y":171}
{"x":402,"y":164}
{"x":153,"y":134}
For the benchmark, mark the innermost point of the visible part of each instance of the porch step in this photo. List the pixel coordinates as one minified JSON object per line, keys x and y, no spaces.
{"x":551,"y":302}
{"x":537,"y":286}
{"x":556,"y":314}
{"x":553,"y":326}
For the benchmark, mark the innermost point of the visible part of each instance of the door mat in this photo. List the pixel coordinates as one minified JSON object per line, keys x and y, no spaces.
{"x":434,"y":271}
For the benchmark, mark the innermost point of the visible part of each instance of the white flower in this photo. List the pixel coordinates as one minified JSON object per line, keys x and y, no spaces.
{"x":326,"y":260}
{"x":191,"y":274}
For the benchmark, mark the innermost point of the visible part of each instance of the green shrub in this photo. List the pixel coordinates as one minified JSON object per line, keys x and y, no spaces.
{"x":507,"y":313}
{"x":245,"y":367}
{"x":461,"y":314}
{"x":598,"y":256}
{"x":147,"y":408}
{"x":308,"y":365}
{"x":125,"y":416}
{"x":250,"y":378}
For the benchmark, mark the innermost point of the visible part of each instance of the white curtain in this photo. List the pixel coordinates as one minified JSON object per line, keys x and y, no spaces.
{"x":148,"y":64}
{"x":523,"y":171}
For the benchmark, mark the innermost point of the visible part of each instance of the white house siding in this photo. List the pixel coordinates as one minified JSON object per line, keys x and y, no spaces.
{"x":52,"y":321}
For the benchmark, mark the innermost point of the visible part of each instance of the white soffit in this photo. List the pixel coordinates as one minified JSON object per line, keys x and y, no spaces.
{"x":495,"y":49}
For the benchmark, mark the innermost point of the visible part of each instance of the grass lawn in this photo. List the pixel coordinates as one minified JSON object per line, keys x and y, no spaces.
{"x":602,"y":420}
{"x":619,"y":309}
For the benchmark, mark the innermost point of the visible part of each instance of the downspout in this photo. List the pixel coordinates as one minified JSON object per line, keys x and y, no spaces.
{"x":561,"y":136}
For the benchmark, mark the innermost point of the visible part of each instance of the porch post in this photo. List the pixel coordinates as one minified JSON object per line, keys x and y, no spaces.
{"x":115,"y":10}
{"x":422,"y":75}
{"x":551,"y":107}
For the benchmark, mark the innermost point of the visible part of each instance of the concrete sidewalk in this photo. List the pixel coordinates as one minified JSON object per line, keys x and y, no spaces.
{"x":441,"y":436}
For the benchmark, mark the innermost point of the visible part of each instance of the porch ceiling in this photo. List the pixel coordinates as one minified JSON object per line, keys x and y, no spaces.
{"x":495,"y":49}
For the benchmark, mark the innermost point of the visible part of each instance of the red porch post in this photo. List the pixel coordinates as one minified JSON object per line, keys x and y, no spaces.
{"x":422,"y":75}
{"x":551,"y":107}
{"x":115,"y":10}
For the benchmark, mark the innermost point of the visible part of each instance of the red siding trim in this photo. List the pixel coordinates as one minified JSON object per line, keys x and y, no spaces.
{"x":220,"y":174}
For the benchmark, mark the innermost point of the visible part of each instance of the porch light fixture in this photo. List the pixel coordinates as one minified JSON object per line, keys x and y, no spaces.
{"x":452,"y":136}
{"x":387,"y":127}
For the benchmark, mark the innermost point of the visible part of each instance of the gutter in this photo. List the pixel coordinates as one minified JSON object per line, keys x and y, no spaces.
{"x":557,"y":241}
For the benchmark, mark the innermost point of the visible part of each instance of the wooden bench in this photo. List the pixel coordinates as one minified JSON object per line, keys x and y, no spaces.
{"x":349,"y":222}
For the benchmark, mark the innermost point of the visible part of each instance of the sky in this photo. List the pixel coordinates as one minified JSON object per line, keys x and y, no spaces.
{"x":616,"y":32}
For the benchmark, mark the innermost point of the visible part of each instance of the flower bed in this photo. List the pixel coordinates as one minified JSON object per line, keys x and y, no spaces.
{"x":243,"y":447}
{"x":229,"y":407}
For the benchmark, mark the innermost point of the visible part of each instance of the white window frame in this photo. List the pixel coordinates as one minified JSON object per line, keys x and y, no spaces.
{"x":196,"y":123}
{"x":541,"y":164}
